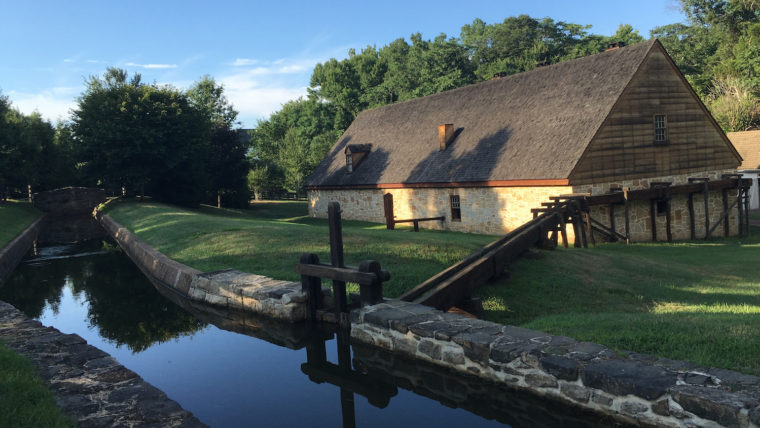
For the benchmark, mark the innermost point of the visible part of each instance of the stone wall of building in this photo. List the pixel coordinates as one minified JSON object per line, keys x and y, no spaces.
{"x":498,"y":210}
{"x":487,"y":210}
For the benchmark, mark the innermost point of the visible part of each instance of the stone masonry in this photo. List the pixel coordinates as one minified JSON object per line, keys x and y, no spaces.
{"x":88,"y":384}
{"x":498,"y":210}
{"x":282,"y":300}
{"x":637,"y":389}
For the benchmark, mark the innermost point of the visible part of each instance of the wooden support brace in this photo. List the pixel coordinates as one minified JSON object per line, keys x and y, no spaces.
{"x":627,"y":215}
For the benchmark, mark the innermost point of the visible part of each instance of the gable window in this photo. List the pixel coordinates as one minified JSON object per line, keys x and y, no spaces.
{"x":456,"y":213}
{"x":660,"y":129}
{"x":349,"y":163}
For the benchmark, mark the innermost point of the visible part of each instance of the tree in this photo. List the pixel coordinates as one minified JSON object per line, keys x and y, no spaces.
{"x":129,"y":134}
{"x":208,"y":97}
{"x":734,"y":105}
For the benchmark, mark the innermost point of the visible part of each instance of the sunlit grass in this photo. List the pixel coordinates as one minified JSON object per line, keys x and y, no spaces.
{"x":696,"y":301}
{"x":15,"y":216}
{"x":269,"y":238}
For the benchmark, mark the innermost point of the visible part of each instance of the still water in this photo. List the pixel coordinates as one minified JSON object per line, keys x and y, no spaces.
{"x":235,"y":370}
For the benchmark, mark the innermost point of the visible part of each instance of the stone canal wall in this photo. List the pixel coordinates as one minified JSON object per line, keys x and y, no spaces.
{"x":11,"y":254}
{"x":635,"y":388}
{"x":88,"y":384}
{"x":282,"y":300}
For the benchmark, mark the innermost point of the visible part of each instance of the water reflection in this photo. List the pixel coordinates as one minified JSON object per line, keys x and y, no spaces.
{"x":124,"y":310}
{"x":204,"y":357}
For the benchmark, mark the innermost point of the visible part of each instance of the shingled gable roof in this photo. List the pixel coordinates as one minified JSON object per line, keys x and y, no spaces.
{"x":528,"y":126}
{"x":747,"y":143}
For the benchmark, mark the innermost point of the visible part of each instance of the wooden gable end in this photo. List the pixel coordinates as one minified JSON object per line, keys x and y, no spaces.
{"x":624,"y":147}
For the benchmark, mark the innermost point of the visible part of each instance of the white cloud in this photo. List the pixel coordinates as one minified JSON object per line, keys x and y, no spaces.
{"x":242,"y":62}
{"x":69,"y":60}
{"x":159,"y":66}
{"x":52,"y":104}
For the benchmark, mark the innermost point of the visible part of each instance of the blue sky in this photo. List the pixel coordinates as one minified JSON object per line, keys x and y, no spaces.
{"x":262,"y":52}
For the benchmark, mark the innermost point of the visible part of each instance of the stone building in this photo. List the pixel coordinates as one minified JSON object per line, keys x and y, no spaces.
{"x":483,"y":155}
{"x":747,"y":143}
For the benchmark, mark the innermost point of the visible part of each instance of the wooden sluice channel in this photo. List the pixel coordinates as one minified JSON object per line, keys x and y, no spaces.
{"x":456,"y":283}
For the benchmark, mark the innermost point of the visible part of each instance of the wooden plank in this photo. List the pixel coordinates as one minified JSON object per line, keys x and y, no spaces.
{"x":337,"y":274}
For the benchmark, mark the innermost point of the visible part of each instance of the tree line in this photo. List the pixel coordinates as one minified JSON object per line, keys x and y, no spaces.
{"x":131,"y":138}
{"x":182,"y":146}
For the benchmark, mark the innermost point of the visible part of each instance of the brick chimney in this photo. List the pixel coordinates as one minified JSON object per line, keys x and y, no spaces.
{"x":445,"y":134}
{"x":614,"y":45}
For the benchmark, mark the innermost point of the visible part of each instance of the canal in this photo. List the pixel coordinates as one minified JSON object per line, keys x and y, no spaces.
{"x":232,"y":369}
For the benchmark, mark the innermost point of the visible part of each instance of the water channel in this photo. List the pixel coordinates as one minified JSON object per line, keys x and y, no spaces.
{"x":231,"y":369}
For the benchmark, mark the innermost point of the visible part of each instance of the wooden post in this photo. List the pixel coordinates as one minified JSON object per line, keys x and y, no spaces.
{"x":588,"y":227}
{"x":740,"y":202}
{"x":706,"y":191}
{"x":690,"y":205}
{"x":388,"y":207}
{"x":724,"y":196}
{"x":563,"y":227}
{"x":627,"y":216}
{"x":416,"y":225}
{"x":668,"y":231}
{"x":312,"y":285}
{"x":370,"y":295}
{"x":746,"y":210}
{"x":653,"y":216}
{"x":336,"y":257}
{"x":668,"y":219}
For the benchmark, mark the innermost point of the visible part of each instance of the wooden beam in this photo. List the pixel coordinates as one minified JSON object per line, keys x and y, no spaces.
{"x":690,"y":206}
{"x":337,"y":274}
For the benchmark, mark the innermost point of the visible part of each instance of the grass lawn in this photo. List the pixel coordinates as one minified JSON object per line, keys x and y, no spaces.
{"x":24,"y":399}
{"x":696,"y":301}
{"x":15,"y":216}
{"x":268,"y":239}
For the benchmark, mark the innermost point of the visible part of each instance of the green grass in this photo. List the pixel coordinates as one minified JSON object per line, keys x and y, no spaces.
{"x":15,"y":216}
{"x":24,"y":399}
{"x":269,"y":238}
{"x":696,"y":301}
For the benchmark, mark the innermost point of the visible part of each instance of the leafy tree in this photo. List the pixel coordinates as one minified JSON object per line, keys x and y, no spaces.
{"x":734,"y":105}
{"x":208,"y":97}
{"x":226,"y":166}
{"x":141,"y":137}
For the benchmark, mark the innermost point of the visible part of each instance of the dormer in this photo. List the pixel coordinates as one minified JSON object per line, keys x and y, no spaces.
{"x":355,"y":153}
